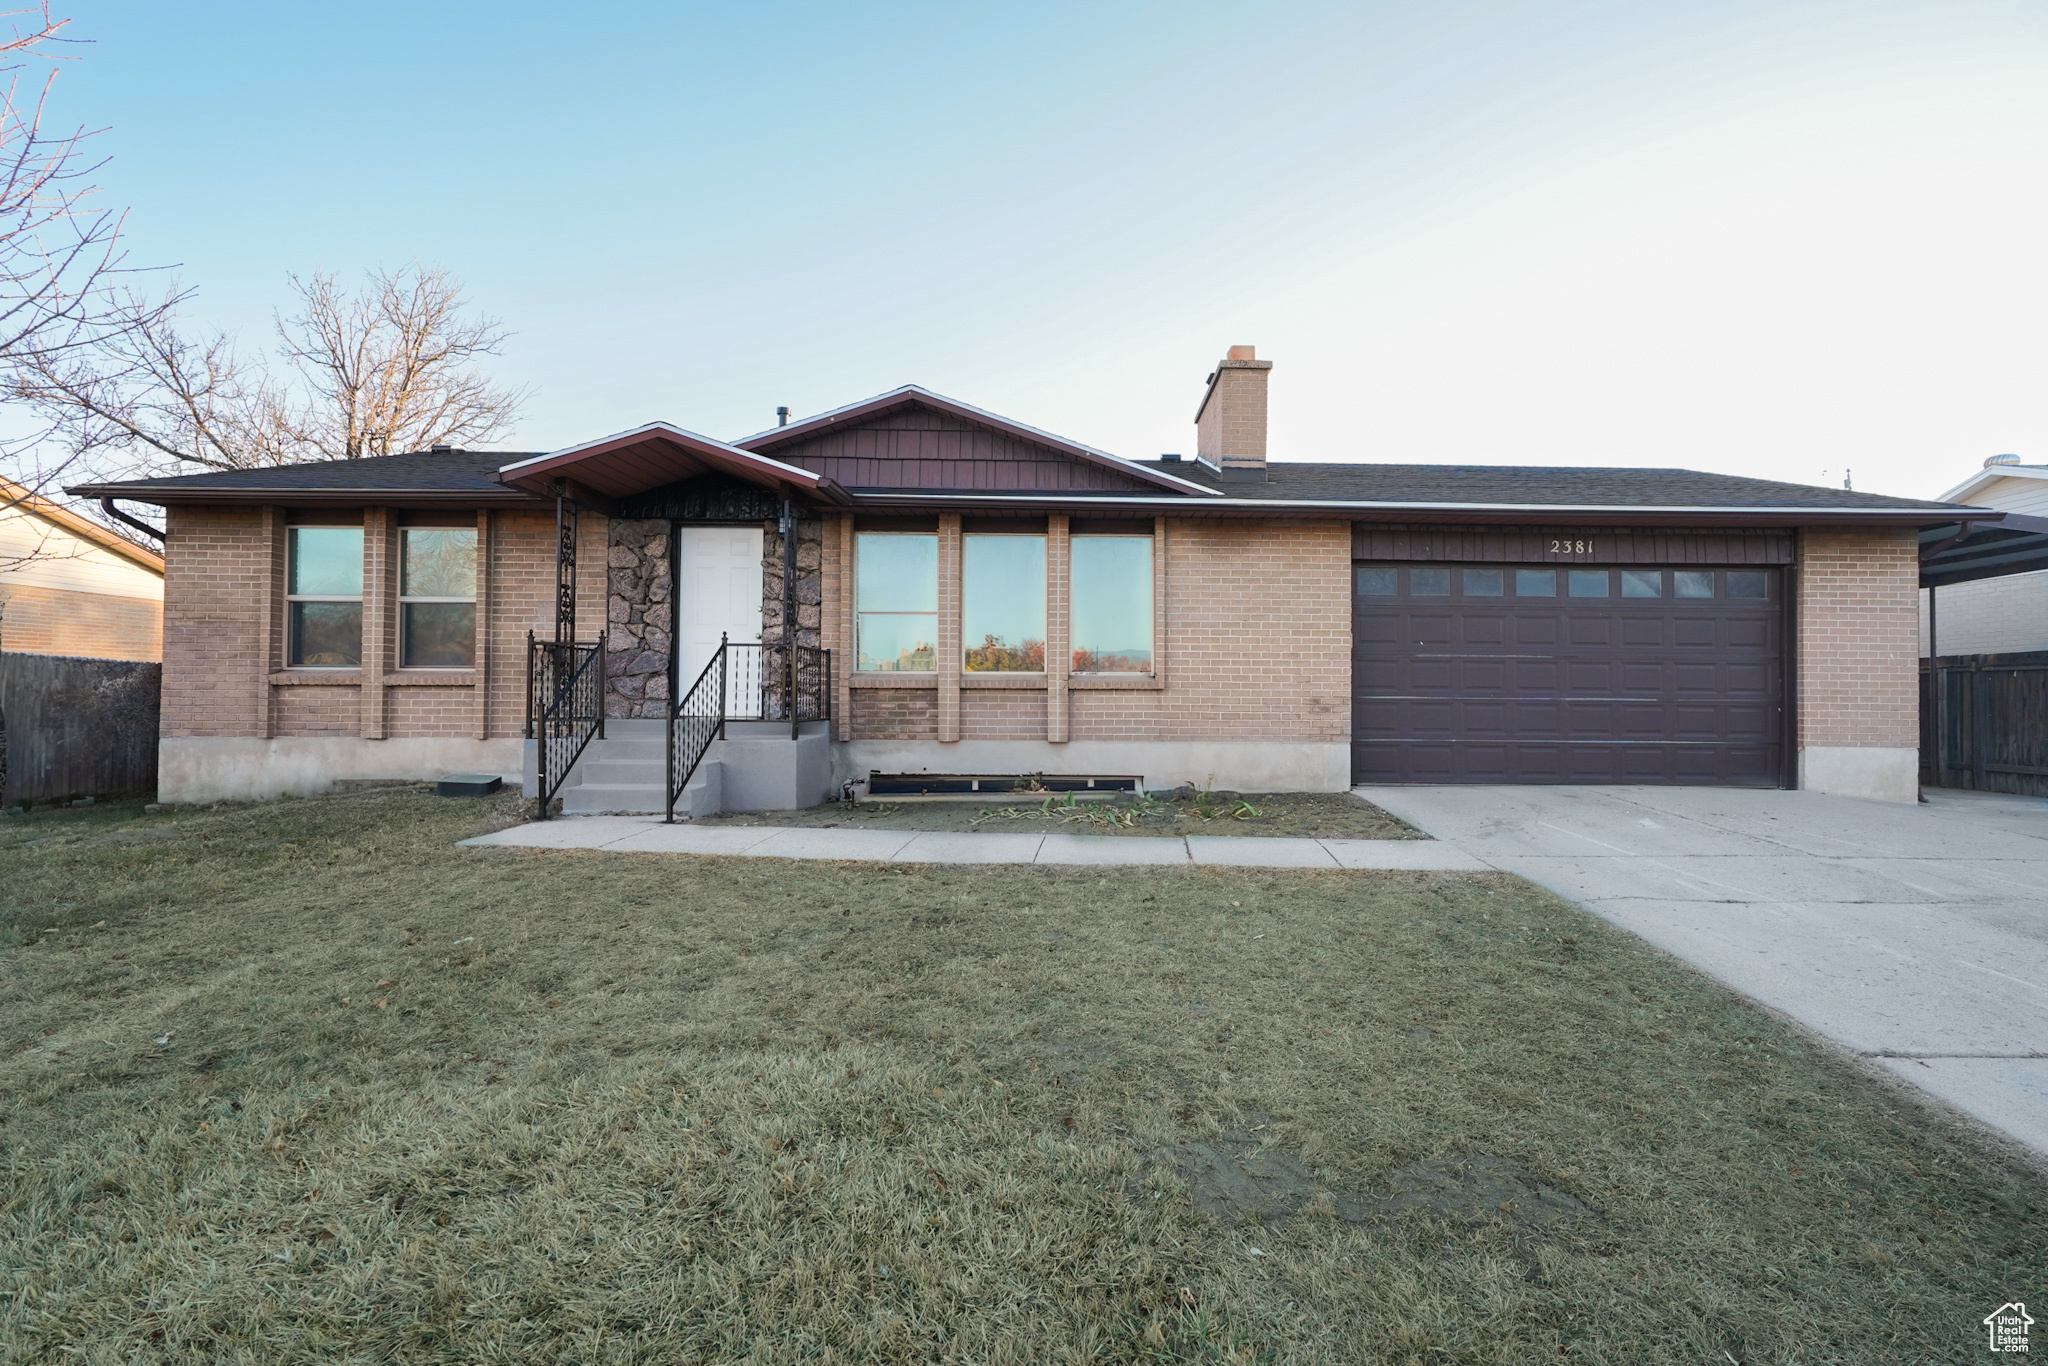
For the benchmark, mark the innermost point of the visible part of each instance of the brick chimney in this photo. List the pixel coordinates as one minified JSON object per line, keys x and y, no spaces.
{"x":1230,"y":426}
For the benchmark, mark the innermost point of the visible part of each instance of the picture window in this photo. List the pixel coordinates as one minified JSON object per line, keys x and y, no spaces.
{"x":1112,"y":604}
{"x":1002,"y":614}
{"x":896,"y":602}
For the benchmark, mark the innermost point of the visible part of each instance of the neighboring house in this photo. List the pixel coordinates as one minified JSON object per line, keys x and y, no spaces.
{"x":1993,"y":616}
{"x":999,"y":601}
{"x":71,"y":587}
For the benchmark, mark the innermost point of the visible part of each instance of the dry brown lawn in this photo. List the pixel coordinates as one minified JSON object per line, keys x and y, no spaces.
{"x":307,"y":1083}
{"x":1313,"y":815}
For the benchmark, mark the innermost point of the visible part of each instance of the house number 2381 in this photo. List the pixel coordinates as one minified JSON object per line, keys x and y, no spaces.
{"x":1571,"y":547}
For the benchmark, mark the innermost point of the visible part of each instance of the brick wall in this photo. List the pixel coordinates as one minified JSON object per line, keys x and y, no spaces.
{"x":1858,"y":639}
{"x":993,"y":715}
{"x":217,"y":582}
{"x":1989,"y":616}
{"x":1230,"y":430}
{"x":1257,"y":646}
{"x":223,"y":633}
{"x":57,"y":621}
{"x":895,"y":713}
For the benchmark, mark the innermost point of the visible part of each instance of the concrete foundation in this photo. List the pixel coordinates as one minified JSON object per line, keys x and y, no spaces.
{"x":240,"y":768}
{"x":1236,"y":765}
{"x":1879,"y":775}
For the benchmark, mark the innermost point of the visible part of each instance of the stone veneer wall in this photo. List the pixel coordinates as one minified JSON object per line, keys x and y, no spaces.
{"x":810,"y":588}
{"x":639,"y":616}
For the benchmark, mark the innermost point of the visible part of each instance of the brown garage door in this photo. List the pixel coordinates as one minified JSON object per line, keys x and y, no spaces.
{"x":1503,"y":673}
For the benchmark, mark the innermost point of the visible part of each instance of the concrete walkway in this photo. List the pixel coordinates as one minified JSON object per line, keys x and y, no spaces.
{"x":647,"y":835}
{"x":1915,"y":935}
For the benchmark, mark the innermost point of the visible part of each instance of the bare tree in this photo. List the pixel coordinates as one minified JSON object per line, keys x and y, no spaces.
{"x":59,"y":257}
{"x":391,"y":367}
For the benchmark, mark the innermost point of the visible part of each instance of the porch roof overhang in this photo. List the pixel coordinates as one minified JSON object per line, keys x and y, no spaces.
{"x":1982,"y":545}
{"x":651,"y":457}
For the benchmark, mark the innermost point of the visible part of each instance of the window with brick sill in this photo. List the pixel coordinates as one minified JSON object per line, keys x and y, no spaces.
{"x":1111,"y":593}
{"x":324,"y":597}
{"x":437,"y":598}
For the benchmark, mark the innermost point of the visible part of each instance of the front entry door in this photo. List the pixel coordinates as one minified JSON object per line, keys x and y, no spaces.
{"x":720,"y":593}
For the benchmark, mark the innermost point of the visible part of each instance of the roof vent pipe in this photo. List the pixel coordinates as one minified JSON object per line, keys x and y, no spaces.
{"x":782,"y":416}
{"x":2001,"y":460}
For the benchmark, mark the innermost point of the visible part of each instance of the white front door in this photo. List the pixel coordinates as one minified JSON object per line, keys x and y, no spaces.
{"x":720,"y":594}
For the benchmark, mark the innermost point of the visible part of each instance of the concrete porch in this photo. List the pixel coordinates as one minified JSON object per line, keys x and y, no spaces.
{"x":756,"y":767}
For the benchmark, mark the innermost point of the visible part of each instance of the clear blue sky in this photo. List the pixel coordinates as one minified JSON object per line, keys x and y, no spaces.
{"x":1769,"y":237}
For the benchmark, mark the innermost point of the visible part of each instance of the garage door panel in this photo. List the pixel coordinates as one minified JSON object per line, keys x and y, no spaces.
{"x":1589,"y":676}
{"x":1546,"y":690}
{"x":1590,"y":630}
{"x":1483,"y":628}
{"x":1483,"y":675}
{"x":1433,"y":675}
{"x":1642,"y":632}
{"x":1640,"y":676}
{"x":1750,"y":633}
{"x":1703,"y":633}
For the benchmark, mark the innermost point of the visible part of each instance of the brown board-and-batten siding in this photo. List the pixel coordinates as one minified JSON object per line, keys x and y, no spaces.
{"x":937,"y":452}
{"x":1459,"y":675}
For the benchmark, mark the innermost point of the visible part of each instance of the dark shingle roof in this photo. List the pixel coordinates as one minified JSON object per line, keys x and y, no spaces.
{"x":471,"y":477}
{"x":440,"y":475}
{"x":1532,"y":486}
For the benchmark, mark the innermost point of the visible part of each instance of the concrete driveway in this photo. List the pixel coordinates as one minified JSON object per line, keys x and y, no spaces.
{"x":1915,"y":935}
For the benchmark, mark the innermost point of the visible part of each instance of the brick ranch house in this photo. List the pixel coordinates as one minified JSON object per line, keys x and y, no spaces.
{"x":975,"y":599}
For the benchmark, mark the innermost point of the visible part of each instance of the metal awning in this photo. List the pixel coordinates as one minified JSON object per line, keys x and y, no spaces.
{"x":1961,"y":551}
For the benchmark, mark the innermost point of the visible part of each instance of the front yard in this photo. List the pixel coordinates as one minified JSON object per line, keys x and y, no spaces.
{"x":1303,"y":815}
{"x":306,"y":1082}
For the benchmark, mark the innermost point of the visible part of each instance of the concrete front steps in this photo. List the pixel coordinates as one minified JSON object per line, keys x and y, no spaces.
{"x":757,"y":767}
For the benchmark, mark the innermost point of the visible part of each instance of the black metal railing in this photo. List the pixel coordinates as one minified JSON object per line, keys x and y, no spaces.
{"x":744,"y":681}
{"x":697,"y":719}
{"x":760,"y":683}
{"x":564,"y":708}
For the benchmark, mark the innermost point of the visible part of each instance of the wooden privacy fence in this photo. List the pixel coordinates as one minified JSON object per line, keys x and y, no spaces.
{"x":1984,"y":722}
{"x":78,"y":727}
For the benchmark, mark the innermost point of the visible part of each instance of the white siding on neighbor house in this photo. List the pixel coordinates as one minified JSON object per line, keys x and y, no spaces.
{"x":1990,"y":616}
{"x":36,"y":554}
{"x":2015,"y":493}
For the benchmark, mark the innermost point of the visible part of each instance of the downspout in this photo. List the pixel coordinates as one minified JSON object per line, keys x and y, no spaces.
{"x":107,"y":506}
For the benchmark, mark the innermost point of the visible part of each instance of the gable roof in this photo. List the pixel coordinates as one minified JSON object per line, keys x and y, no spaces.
{"x":468,"y":477}
{"x":652,"y":456}
{"x":13,"y":495}
{"x":911,"y":395}
{"x":1989,"y":475}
